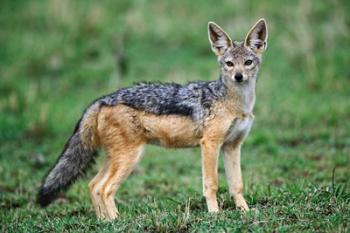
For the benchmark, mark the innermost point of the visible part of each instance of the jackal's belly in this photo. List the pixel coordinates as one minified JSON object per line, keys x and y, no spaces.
{"x":171,"y":131}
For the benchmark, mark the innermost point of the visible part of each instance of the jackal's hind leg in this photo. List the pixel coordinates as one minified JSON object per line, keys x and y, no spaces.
{"x":95,"y":193}
{"x":122,"y":162}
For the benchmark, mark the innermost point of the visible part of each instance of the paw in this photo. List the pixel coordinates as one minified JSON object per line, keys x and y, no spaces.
{"x":243,"y":207}
{"x":213,"y":206}
{"x":213,"y":210}
{"x":108,"y":217}
{"x":112,"y":216}
{"x":241,"y":204}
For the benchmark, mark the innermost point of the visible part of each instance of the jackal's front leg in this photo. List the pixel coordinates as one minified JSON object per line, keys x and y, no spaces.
{"x":232,"y":160}
{"x":210,"y":151}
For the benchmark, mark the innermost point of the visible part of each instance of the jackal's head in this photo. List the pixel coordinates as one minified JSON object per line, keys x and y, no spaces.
{"x":239,"y":61}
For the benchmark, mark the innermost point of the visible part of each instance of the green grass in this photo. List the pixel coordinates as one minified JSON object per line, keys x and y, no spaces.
{"x":57,"y":56}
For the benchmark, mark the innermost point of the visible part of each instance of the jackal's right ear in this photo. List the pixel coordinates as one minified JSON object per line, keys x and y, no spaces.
{"x":218,"y":38}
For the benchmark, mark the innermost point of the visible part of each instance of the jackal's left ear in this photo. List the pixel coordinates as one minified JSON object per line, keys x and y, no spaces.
{"x":256,"y":38}
{"x":218,"y":38}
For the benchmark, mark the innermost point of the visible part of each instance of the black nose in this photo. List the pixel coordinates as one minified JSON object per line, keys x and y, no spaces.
{"x":239,"y":77}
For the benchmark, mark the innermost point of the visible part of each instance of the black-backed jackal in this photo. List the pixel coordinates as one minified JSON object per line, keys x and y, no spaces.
{"x":215,"y":115}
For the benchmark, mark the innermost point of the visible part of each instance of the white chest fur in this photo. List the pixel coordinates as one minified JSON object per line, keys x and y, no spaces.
{"x":239,"y":129}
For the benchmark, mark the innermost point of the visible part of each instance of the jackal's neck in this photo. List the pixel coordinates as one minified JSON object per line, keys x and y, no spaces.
{"x":241,"y":95}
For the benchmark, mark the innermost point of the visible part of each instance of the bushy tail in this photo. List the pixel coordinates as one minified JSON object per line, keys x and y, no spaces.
{"x":79,"y":151}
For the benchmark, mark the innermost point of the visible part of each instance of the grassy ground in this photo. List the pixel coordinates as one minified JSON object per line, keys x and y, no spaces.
{"x":56,"y":56}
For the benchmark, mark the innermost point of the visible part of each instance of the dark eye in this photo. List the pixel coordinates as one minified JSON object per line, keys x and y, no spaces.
{"x":248,"y":62}
{"x":229,"y":63}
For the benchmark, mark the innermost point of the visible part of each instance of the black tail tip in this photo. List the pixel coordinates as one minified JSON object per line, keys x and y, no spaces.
{"x":45,"y":197}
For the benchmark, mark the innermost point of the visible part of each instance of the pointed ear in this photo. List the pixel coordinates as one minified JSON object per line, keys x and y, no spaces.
{"x":218,"y":38}
{"x":256,"y":38}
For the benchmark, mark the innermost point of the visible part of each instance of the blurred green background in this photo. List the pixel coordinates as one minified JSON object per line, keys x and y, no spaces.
{"x":56,"y":56}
